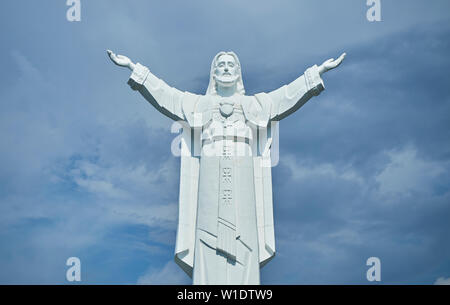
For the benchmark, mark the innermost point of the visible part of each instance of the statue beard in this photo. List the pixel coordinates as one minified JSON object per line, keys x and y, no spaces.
{"x":226,"y":80}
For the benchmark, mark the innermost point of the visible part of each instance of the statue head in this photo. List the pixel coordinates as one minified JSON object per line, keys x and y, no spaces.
{"x":225,"y":72}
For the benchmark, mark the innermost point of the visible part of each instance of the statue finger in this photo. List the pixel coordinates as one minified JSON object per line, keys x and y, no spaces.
{"x":113,"y":57}
{"x":340,"y":59}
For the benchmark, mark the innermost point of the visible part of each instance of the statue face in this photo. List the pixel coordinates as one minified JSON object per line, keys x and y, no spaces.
{"x":226,"y":71}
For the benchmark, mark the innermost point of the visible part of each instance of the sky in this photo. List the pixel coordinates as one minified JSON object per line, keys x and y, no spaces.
{"x":85,"y":163}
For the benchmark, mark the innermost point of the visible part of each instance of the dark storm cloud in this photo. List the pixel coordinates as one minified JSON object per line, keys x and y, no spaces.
{"x":372,"y":168}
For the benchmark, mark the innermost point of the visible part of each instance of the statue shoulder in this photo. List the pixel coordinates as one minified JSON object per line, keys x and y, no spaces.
{"x":197,"y":109}
{"x":257,"y":108}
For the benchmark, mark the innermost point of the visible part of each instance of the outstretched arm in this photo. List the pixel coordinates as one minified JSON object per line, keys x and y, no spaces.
{"x":164,"y":98}
{"x":291,"y":97}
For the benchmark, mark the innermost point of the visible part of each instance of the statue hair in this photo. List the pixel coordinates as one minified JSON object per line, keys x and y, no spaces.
{"x":212,"y":87}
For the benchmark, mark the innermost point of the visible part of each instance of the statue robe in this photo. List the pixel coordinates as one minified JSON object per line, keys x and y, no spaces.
{"x":261,"y":114}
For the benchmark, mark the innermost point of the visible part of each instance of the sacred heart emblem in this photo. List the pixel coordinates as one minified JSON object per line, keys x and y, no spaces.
{"x":226,"y":109}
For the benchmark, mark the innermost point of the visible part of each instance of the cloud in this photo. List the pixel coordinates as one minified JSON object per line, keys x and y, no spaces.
{"x":442,"y":281}
{"x":307,"y":169}
{"x":66,"y":189}
{"x":169,"y":274}
{"x":407,"y":173}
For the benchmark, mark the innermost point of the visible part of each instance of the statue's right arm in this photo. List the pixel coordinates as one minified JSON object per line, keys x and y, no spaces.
{"x":165,"y":99}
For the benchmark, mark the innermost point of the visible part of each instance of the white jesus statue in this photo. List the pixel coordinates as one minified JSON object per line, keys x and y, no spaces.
{"x":225,"y":228}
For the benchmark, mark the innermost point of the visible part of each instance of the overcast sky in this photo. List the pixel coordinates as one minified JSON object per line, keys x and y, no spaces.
{"x":85,"y":162}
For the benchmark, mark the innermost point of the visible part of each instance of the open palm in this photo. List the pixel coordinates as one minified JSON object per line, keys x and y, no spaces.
{"x":331,"y":64}
{"x":120,"y":60}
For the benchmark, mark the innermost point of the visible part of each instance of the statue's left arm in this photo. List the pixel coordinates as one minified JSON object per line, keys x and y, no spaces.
{"x":291,"y":97}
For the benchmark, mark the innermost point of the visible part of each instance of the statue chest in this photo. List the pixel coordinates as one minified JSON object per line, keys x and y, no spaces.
{"x":227,"y":121}
{"x":227,"y":130}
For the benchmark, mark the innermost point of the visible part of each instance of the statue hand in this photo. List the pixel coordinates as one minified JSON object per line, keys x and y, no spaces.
{"x":121,"y":60}
{"x":331,"y":64}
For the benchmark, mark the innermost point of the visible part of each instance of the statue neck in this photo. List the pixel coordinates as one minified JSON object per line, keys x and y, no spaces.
{"x":226,"y":91}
